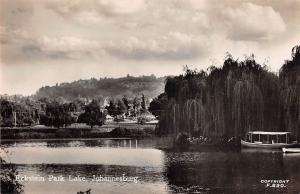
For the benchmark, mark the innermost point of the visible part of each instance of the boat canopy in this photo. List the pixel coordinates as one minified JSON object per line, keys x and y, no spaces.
{"x":268,"y":133}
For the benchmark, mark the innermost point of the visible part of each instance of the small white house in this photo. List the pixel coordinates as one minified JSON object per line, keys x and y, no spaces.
{"x":109,"y":118}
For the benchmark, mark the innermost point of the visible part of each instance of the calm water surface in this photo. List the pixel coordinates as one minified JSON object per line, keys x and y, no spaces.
{"x":157,"y":171}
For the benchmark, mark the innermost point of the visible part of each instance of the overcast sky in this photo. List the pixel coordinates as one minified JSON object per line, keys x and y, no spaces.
{"x":44,"y":42}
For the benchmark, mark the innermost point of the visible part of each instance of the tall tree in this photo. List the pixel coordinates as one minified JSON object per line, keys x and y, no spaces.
{"x":112,"y":108}
{"x":290,"y":92}
{"x":158,"y":104}
{"x":121,"y":108}
{"x":143,"y":104}
{"x":126,"y":102}
{"x":92,"y":115}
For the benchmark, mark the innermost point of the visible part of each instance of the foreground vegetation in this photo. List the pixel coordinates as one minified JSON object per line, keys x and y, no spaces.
{"x":226,"y":102}
{"x":8,"y":175}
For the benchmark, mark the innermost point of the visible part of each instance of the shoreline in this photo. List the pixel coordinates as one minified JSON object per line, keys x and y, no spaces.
{"x":66,"y":139}
{"x":134,"y":131}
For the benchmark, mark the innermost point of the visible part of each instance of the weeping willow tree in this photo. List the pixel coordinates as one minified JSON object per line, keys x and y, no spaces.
{"x":193,"y":114}
{"x":248,"y":107}
{"x":235,"y":100}
{"x":186,"y":107}
{"x":240,"y":96}
{"x":290,"y":93}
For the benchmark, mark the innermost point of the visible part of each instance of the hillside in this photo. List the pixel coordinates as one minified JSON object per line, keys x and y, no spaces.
{"x":130,"y":86}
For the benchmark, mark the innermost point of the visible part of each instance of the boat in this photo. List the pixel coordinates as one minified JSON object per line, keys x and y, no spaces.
{"x":291,"y":150}
{"x":268,"y":140}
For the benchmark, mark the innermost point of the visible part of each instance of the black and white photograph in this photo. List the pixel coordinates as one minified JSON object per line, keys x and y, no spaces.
{"x":149,"y":96}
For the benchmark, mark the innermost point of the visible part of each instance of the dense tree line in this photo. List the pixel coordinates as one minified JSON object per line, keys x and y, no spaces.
{"x":58,"y":112}
{"x":50,"y":112}
{"x":224,"y":102}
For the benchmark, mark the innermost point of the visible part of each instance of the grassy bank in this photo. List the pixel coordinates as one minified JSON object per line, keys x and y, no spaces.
{"x":105,"y":131}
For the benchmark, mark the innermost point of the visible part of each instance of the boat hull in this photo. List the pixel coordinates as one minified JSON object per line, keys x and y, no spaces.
{"x":291,"y":150}
{"x":266,"y":146}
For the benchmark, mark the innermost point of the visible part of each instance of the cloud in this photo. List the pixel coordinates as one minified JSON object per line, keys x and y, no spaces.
{"x":66,"y":44}
{"x":116,"y":7}
{"x":12,"y":11}
{"x":176,"y":14}
{"x":128,"y":14}
{"x":19,"y":45}
{"x":91,"y":17}
{"x":174,"y":46}
{"x":94,"y":11}
{"x":48,"y":37}
{"x":68,"y":47}
{"x":252,"y":22}
{"x":12,"y":36}
{"x":137,"y":29}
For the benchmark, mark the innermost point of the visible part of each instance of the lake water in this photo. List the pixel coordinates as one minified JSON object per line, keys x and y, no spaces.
{"x":148,"y":169}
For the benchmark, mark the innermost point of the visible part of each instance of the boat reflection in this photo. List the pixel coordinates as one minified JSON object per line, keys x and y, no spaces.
{"x":260,"y":150}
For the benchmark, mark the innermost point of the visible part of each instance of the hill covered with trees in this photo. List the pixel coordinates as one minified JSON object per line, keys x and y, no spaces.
{"x":129,"y":86}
